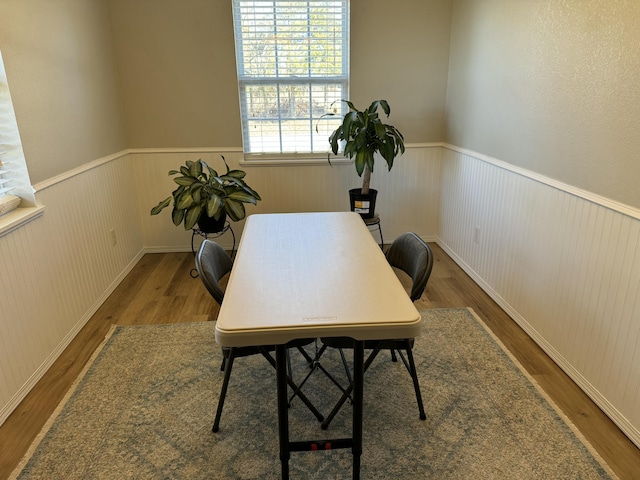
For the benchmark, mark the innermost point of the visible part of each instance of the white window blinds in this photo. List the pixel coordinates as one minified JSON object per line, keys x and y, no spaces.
{"x":15,"y":187}
{"x":5,"y":185}
{"x":7,"y":134}
{"x":293,"y":62}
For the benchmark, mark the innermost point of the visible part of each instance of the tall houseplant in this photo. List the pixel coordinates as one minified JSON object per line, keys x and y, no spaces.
{"x":204,"y":194}
{"x":362,"y":134}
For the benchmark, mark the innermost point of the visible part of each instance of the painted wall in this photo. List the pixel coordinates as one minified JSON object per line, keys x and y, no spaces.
{"x":562,"y":262}
{"x":59,"y":64}
{"x":547,"y":269}
{"x":400,"y":51}
{"x":176,"y":62}
{"x":584,"y":315}
{"x":551,"y":86}
{"x":56,"y":270}
{"x":542,"y":121}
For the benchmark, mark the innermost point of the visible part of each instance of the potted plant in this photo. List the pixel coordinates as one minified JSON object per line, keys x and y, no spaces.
{"x":362,"y":134}
{"x":207,"y":198}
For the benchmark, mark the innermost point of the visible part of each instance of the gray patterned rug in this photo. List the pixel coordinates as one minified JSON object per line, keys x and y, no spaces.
{"x":144,"y":408}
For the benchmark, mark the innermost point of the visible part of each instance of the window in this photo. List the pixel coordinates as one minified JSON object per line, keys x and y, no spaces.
{"x":15,"y":187}
{"x":293,"y":63}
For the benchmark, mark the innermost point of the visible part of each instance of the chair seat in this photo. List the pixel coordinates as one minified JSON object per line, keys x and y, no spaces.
{"x":248,"y":351}
{"x":212,"y":263}
{"x":254,"y":350}
{"x":413,"y":256}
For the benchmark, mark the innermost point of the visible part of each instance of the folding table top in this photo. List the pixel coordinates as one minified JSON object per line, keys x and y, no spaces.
{"x":304,"y":275}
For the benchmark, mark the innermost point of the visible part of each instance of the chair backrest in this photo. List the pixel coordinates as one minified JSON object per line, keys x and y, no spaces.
{"x":413,"y":256}
{"x":213,"y":263}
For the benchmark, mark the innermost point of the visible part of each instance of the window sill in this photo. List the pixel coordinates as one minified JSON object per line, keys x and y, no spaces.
{"x":19,"y":217}
{"x":285,"y":160}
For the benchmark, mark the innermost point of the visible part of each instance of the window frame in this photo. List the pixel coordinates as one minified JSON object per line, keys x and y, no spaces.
{"x":340,"y":82}
{"x":13,"y":169}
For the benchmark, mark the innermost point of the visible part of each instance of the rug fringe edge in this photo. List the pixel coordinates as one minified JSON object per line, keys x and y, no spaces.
{"x":546,"y":397}
{"x":45,"y":428}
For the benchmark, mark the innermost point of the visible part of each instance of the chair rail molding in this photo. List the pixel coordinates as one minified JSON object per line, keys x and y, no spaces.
{"x":564,"y":263}
{"x":578,"y":192}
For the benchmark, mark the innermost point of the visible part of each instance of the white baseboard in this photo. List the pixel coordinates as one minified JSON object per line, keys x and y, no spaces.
{"x":624,"y":425}
{"x":42,"y":369}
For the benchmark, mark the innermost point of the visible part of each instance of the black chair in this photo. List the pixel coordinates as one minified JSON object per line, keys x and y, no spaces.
{"x":412,"y":255}
{"x":213,"y":263}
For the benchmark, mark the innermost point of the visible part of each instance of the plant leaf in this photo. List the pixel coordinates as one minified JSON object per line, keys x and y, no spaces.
{"x":192,"y":216}
{"x":184,"y":180}
{"x":385,"y":107}
{"x":239,"y":174}
{"x":374,"y":106}
{"x":177,"y":216}
{"x":350,"y":149}
{"x":212,"y":172}
{"x":214,"y":205}
{"x":253,"y":193}
{"x":195,"y":168}
{"x":349,"y":104}
{"x":242,"y":196}
{"x":360,"y":162}
{"x":225,"y":162}
{"x":361,"y":139}
{"x":386,"y":150}
{"x":196,"y":192}
{"x":348,"y":125}
{"x":369,"y":159}
{"x":232,"y":180}
{"x":184,"y":200}
{"x":235,"y":210}
{"x":333,"y":140}
{"x":161,"y":206}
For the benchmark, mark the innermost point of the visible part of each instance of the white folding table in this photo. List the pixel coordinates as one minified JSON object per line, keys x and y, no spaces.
{"x":307,"y":275}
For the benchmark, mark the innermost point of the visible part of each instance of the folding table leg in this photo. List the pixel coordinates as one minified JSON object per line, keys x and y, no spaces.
{"x":283,"y":411}
{"x":294,"y":387}
{"x":347,"y":392}
{"x":358,"y":391}
{"x":228,"y":365}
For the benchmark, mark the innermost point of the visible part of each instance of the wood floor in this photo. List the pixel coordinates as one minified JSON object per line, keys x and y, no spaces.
{"x":160,"y":290}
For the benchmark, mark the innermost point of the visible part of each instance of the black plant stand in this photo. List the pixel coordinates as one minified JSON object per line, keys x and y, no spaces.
{"x":373,"y":223}
{"x":197,"y":232}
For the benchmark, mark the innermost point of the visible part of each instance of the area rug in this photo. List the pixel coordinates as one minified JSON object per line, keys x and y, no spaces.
{"x":144,"y":406}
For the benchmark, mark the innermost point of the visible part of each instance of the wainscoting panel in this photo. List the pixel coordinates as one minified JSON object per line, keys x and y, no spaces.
{"x":58,"y":269}
{"x":565,"y":267}
{"x":563,"y":263}
{"x":407,"y":198}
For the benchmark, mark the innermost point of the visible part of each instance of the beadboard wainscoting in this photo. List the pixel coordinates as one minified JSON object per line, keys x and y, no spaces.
{"x":60,"y":267}
{"x":563,"y":263}
{"x":407,"y":199}
{"x":57,"y":269}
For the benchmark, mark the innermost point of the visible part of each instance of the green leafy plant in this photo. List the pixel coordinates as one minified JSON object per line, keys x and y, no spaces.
{"x":363,"y":134}
{"x":201,"y":190}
